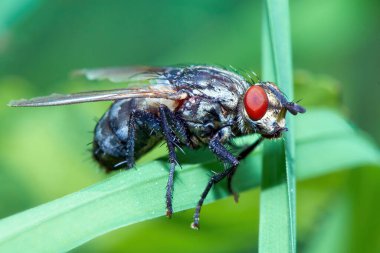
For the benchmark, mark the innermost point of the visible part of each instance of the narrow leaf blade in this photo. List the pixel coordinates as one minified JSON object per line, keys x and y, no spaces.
{"x":277,"y":206}
{"x":137,"y":195}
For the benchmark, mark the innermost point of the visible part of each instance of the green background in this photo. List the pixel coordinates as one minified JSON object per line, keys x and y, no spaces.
{"x":43,"y":152}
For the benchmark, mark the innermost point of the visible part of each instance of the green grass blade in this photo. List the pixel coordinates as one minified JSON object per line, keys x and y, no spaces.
{"x":277,"y":206}
{"x":137,"y":195}
{"x":274,"y":206}
{"x":126,"y":198}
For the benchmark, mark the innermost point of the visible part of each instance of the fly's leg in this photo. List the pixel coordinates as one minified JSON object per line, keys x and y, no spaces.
{"x":229,"y":184}
{"x":213,"y":180}
{"x":179,"y":128}
{"x":243,"y":154}
{"x":137,"y":117}
{"x":217,"y":147}
{"x":165,"y":123}
{"x":223,"y":154}
{"x":166,"y":117}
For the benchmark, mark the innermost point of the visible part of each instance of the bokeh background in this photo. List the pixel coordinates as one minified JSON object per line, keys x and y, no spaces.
{"x":44,"y":153}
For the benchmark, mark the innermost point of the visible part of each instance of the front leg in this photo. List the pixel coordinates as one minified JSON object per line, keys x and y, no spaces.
{"x":223,"y":154}
{"x":243,"y":154}
{"x":218,"y":148}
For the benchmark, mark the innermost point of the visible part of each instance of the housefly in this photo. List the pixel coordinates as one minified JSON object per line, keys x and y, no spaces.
{"x":190,"y":106}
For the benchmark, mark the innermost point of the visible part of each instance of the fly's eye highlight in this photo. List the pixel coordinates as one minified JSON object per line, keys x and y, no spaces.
{"x":256,"y":102}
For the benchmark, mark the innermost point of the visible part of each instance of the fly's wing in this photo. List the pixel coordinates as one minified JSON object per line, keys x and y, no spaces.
{"x":105,"y":95}
{"x":131,"y":75}
{"x":157,"y":86}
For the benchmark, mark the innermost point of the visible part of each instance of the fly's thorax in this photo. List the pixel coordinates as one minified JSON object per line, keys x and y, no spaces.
{"x":204,"y":117}
{"x":214,"y":84}
{"x":263,"y":110}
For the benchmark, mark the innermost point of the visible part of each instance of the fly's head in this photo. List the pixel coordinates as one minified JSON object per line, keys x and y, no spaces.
{"x":264,"y":109}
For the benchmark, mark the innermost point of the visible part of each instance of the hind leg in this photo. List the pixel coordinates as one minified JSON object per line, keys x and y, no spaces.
{"x":138,"y":118}
{"x":144,"y":123}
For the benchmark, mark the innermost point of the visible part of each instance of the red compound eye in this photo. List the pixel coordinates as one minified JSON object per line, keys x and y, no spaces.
{"x":256,"y":102}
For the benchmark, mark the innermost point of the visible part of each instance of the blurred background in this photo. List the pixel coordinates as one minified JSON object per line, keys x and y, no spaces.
{"x":44,"y":153}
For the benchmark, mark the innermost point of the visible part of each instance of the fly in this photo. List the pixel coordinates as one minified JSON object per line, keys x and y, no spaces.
{"x":191,"y":106}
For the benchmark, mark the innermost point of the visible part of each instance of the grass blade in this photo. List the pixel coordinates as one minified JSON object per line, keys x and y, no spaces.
{"x":277,"y":206}
{"x":137,"y":195}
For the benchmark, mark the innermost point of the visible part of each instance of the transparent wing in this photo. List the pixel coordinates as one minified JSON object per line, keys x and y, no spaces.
{"x":94,"y":96}
{"x":136,"y":74}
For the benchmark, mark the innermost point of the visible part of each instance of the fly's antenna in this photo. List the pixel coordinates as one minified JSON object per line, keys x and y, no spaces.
{"x":292,"y":107}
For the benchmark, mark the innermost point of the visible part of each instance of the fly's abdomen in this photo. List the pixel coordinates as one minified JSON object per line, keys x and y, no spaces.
{"x":112,"y":134}
{"x":108,"y":150}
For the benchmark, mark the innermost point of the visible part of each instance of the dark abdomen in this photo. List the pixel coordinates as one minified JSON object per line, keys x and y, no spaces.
{"x":112,"y":131}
